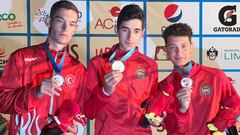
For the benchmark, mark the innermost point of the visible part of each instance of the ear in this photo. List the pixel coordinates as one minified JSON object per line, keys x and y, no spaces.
{"x":47,"y":21}
{"x":116,"y":30}
{"x":143,"y":32}
{"x":191,"y":46}
{"x":165,"y":50}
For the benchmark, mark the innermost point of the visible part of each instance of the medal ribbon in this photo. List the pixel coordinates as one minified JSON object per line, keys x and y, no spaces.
{"x":56,"y":68}
{"x":188,"y":69}
{"x":125,"y":57}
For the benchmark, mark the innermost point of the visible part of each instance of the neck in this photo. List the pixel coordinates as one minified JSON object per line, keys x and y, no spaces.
{"x":184,"y":67}
{"x":56,"y":46}
{"x":120,"y":47}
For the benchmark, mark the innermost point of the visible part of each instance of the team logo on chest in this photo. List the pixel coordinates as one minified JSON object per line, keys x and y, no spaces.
{"x":70,"y":80}
{"x":206,"y":90}
{"x":141,"y":73}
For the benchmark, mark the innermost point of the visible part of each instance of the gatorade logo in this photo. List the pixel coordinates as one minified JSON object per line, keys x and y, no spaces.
{"x":6,"y":17}
{"x":227,"y":15}
{"x":173,"y":13}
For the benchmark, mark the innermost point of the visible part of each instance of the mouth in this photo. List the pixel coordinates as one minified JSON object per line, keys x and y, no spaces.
{"x":63,"y":35}
{"x":129,"y":43}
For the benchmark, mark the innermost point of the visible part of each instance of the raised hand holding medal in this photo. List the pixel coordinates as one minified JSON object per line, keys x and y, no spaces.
{"x":184,"y":94}
{"x":186,"y":81}
{"x":118,"y":64}
{"x":52,"y":85}
{"x":115,"y":76}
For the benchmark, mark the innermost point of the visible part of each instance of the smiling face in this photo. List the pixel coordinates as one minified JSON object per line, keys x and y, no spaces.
{"x":130,"y":33}
{"x":63,"y":26}
{"x":179,"y":50}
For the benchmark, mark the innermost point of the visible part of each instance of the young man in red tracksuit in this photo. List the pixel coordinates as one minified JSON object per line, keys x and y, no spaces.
{"x":121,"y":79}
{"x":37,"y":79}
{"x":199,"y":91}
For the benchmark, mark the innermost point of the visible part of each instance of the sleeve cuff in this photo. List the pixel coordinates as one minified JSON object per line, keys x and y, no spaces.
{"x":33,"y":97}
{"x":104,"y":92}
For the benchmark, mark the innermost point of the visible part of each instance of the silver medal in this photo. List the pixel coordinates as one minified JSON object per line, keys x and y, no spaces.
{"x":59,"y":79}
{"x":186,"y":82}
{"x":118,"y":65}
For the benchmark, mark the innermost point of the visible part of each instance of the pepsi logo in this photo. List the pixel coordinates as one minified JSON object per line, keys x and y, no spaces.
{"x":173,"y":13}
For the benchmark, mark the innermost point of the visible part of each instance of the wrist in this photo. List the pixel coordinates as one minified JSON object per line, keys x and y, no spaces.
{"x":183,"y":109}
{"x":105,"y":93}
{"x":38,"y":92}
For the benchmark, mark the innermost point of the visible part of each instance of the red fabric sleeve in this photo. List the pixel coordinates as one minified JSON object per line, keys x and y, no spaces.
{"x":95,"y":101}
{"x":228,"y":92}
{"x":14,"y":96}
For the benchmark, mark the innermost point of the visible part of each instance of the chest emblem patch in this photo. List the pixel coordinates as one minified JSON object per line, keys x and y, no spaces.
{"x":70,"y":80}
{"x":206,"y":90}
{"x":141,"y":73}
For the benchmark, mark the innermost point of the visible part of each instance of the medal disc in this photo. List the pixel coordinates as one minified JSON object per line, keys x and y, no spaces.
{"x":118,"y":65}
{"x":59,"y":79}
{"x":186,"y":82}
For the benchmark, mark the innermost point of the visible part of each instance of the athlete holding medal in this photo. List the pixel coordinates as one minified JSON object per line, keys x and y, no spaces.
{"x":121,"y":79}
{"x":199,"y":91}
{"x":37,"y":79}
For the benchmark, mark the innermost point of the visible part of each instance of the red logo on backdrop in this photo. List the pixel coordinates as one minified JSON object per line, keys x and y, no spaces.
{"x":108,"y":23}
{"x":115,"y":11}
{"x":102,"y":50}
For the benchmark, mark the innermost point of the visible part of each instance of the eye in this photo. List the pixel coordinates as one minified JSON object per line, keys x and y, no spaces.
{"x":137,"y":31}
{"x":73,"y":24}
{"x":58,"y":20}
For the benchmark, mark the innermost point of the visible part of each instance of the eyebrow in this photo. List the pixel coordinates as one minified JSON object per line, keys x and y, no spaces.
{"x":124,"y":27}
{"x":64,"y":19}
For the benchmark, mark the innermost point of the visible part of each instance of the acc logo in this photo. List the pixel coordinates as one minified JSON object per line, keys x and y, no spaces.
{"x":115,"y":11}
{"x":6,"y":16}
{"x":212,"y":53}
{"x":173,"y":13}
{"x":205,"y":90}
{"x":70,"y":79}
{"x":227,"y":15}
{"x":141,"y":73}
{"x":108,"y":23}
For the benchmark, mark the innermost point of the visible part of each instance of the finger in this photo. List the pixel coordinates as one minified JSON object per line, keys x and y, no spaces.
{"x":112,"y":74}
{"x":113,"y":78}
{"x":55,"y":85}
{"x":54,"y":92}
{"x":113,"y":81}
{"x":72,"y":129}
{"x":50,"y":91}
{"x":47,"y":93}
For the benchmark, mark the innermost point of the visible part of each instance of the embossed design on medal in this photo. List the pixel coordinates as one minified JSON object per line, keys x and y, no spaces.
{"x":118,"y":65}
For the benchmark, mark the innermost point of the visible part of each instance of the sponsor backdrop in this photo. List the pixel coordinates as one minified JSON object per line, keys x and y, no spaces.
{"x":215,"y":25}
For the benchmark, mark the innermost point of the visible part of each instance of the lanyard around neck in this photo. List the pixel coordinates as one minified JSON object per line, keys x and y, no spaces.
{"x":57,"y":68}
{"x":125,"y":57}
{"x":188,"y":69}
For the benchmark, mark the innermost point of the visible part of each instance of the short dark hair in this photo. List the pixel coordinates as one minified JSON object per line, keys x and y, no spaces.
{"x":63,"y":4}
{"x":130,"y":12}
{"x":177,"y":29}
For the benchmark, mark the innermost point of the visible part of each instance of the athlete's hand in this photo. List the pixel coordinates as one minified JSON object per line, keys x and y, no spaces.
{"x":184,"y":98}
{"x":111,"y":80}
{"x":49,"y":87}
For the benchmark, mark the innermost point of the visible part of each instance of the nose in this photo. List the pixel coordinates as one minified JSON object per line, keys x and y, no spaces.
{"x":178,"y":50}
{"x":65,"y":26}
{"x":130,"y":35}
